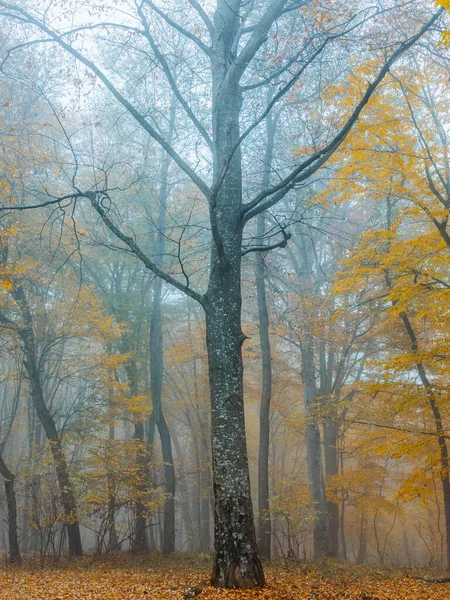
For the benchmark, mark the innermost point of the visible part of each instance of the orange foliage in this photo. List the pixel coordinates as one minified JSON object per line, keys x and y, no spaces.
{"x":108,"y":581}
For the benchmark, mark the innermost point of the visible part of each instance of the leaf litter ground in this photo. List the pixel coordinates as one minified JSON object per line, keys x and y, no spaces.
{"x":152,"y":578}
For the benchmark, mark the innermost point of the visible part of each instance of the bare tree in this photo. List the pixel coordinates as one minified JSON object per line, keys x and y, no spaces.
{"x":230,"y":43}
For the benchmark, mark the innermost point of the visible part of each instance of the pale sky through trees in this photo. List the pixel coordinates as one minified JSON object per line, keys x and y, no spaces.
{"x":224,"y":283}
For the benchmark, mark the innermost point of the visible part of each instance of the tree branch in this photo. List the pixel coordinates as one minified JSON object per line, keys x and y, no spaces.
{"x":9,"y":51}
{"x":206,"y":49}
{"x":136,"y":250}
{"x":281,"y":244}
{"x":285,"y":89}
{"x":393,"y":427}
{"x":42,"y":204}
{"x":21,"y":13}
{"x":425,"y":146}
{"x":257,"y":39}
{"x":206,"y":20}
{"x":309,"y":166}
{"x":170,"y":78}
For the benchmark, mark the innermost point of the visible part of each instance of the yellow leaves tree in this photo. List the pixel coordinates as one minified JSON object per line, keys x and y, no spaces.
{"x":397,"y":163}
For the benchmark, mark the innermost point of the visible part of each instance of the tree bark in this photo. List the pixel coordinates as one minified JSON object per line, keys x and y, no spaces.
{"x":237,"y":563}
{"x":13,"y":538}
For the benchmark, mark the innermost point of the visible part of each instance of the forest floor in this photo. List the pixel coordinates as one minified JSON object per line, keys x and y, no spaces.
{"x":186,"y":576}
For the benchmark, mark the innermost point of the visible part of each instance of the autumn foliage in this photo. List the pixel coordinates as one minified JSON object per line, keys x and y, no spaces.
{"x":181,"y":579}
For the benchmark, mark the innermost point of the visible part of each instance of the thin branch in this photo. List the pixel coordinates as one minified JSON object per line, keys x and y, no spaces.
{"x":42,"y":204}
{"x":256,"y":40}
{"x":425,"y":146}
{"x":281,"y":244}
{"x":309,"y":166}
{"x":135,"y":249}
{"x":9,"y":51}
{"x":206,"y":49}
{"x":170,"y":78}
{"x":206,"y":20}
{"x":139,"y":117}
{"x":393,"y":427}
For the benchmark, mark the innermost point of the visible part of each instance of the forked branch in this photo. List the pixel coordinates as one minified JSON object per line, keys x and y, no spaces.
{"x":271,"y":196}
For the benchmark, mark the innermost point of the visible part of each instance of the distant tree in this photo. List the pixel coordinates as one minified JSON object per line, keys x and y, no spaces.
{"x":225,"y":72}
{"x":405,"y":172}
{"x":10,"y":405}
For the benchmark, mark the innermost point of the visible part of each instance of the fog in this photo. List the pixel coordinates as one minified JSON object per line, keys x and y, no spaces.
{"x":224,"y":282}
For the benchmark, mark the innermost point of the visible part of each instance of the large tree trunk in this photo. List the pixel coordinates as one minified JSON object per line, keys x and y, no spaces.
{"x":13,"y":539}
{"x":237,"y":562}
{"x":49,"y":426}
